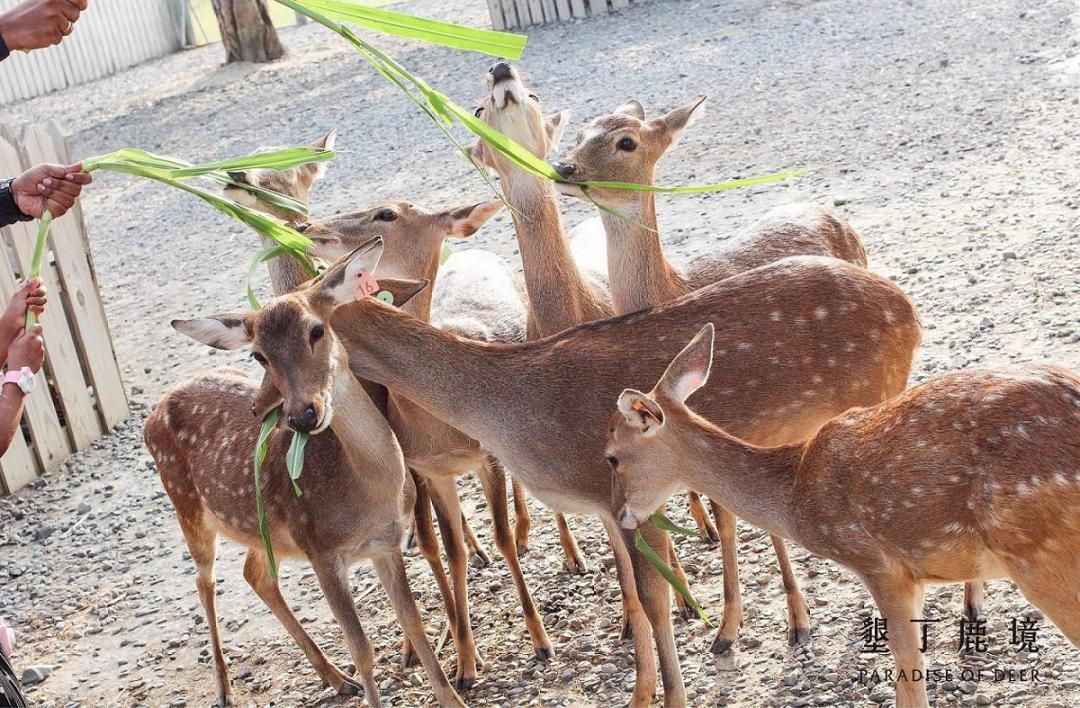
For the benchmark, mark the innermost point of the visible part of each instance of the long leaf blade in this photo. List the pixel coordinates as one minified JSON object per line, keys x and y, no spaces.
{"x":668,"y":574}
{"x":267,"y":428}
{"x":273,"y":160}
{"x":294,"y":459}
{"x":662,"y":522}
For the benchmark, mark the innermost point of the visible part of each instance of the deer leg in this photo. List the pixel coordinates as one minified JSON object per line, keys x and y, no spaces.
{"x":202,"y":544}
{"x":634,"y":616}
{"x":257,"y":574}
{"x":493,"y":480}
{"x":733,"y":609}
{"x":798,"y":610}
{"x":333,"y":576}
{"x":448,"y":512}
{"x":475,"y":549}
{"x":701,"y":518}
{"x":391,"y":571}
{"x":522,"y":517}
{"x":897,"y":599}
{"x":974,"y":592}
{"x":428,"y":544}
{"x":1052,"y":589}
{"x":575,"y":562}
{"x":682,"y":608}
{"x":655,"y":594}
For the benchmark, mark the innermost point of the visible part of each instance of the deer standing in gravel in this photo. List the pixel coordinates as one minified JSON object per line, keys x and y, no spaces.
{"x":357,"y":498}
{"x":539,"y":406}
{"x":475,"y":296}
{"x":970,"y":475}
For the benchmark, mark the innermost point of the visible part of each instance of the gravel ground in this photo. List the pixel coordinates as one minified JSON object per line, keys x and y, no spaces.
{"x":945,"y":131}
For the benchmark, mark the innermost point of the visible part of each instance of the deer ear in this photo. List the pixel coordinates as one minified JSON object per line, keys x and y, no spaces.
{"x":555,"y":125}
{"x":674,"y":123}
{"x":641,"y":412}
{"x":401,"y":289}
{"x":326,"y":142}
{"x":632,"y":108}
{"x":338,"y":280}
{"x":266,"y":399}
{"x":689,"y":370}
{"x":220,"y":331}
{"x":464,"y":221}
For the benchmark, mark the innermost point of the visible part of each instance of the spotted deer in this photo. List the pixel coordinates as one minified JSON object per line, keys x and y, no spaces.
{"x":625,"y":147}
{"x":475,"y":295}
{"x":357,"y":498}
{"x":540,"y":406}
{"x":990,"y":459}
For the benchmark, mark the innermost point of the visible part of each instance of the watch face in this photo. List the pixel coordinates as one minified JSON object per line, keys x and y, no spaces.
{"x":27,"y":382}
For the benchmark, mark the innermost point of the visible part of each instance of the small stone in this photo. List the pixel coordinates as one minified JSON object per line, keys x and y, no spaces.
{"x":35,"y":675}
{"x":968,"y":686}
{"x":981,"y":699}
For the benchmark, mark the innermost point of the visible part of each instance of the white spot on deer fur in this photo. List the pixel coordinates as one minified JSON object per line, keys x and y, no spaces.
{"x":744,"y":346}
{"x":849,"y":347}
{"x":1023,"y":489}
{"x":817,"y":378}
{"x":954,"y":478}
{"x":889,"y":317}
{"x":751,"y":383}
{"x":1023,"y":431}
{"x":830,"y":362}
{"x":800,"y":321}
{"x":774,"y":360}
{"x":774,"y":316}
{"x":954,"y":527}
{"x":1061,"y":479}
{"x":820,"y":313}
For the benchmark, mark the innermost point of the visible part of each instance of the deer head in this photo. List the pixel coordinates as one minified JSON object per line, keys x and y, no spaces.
{"x":623,"y":147}
{"x":295,"y":182}
{"x":413,"y":236}
{"x":514,"y":111}
{"x":640,"y":447}
{"x":290,"y":337}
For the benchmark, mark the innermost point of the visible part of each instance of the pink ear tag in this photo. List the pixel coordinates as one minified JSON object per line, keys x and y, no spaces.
{"x":365,"y":285}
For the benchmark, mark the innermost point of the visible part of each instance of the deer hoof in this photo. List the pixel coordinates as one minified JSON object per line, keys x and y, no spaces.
{"x":798,"y":636}
{"x":577,"y":567}
{"x":410,"y":659}
{"x":544,"y":653}
{"x":627,"y":631}
{"x":224,"y":700}
{"x":721,"y":644}
{"x":464,"y":683}
{"x":349,"y":687}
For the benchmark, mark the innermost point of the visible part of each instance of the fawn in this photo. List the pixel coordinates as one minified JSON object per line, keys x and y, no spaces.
{"x":357,"y":499}
{"x":786,"y":375}
{"x":624,"y":147}
{"x":475,"y":296}
{"x":990,"y":459}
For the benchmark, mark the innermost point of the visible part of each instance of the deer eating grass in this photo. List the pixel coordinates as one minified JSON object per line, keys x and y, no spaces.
{"x":474,"y":295}
{"x":968,"y":476}
{"x":625,"y":147}
{"x":540,"y":406}
{"x":357,"y":498}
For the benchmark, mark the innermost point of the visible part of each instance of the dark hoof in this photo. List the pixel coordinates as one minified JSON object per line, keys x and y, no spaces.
{"x":627,"y":631}
{"x":410,"y":542}
{"x":522,"y":549}
{"x":410,"y":660}
{"x":577,"y":567}
{"x":544,"y":653}
{"x":798,"y":636}
{"x":350,"y":688}
{"x":687,"y":612}
{"x":480,"y":560}
{"x":721,"y":645}
{"x":463,"y":683}
{"x":224,"y":701}
{"x":711,"y":536}
{"x":972,"y":612}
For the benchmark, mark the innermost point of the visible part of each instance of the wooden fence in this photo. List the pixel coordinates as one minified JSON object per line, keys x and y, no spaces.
{"x":111,"y":35}
{"x":509,"y":14}
{"x":79,"y":395}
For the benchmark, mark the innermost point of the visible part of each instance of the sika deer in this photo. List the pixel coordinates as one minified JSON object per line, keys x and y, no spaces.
{"x":789,"y":370}
{"x":624,"y":147}
{"x":991,"y":460}
{"x":356,"y":501}
{"x":476,"y":296}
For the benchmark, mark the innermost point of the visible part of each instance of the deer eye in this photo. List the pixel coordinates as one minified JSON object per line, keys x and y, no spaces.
{"x":259,"y":358}
{"x":317,"y":333}
{"x":534,"y":97}
{"x":386,"y":215}
{"x":478,"y":111}
{"x":628,"y":144}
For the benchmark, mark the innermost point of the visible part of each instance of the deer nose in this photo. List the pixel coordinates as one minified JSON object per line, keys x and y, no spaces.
{"x":305,"y":422}
{"x":240,"y":177}
{"x":501,"y":71}
{"x":565,"y":169}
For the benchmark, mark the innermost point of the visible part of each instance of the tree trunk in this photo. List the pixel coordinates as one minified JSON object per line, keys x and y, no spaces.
{"x":247,"y":32}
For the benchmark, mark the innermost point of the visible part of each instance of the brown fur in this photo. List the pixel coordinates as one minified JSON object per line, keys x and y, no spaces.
{"x":968,"y":476}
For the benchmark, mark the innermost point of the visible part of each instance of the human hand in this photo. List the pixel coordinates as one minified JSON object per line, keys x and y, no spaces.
{"x":47,"y":186}
{"x":35,"y":24}
{"x":28,"y":349}
{"x":31,"y":295}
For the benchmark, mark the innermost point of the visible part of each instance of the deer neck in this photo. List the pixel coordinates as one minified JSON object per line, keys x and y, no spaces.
{"x":755,"y":483}
{"x":286,"y":274}
{"x":559,"y":296}
{"x":366,"y":439}
{"x":641,"y":276}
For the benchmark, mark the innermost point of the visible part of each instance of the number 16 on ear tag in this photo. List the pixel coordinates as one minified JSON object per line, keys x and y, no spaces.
{"x":365,"y":285}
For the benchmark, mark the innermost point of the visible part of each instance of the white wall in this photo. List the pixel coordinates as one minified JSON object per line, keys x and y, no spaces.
{"x":110,"y":36}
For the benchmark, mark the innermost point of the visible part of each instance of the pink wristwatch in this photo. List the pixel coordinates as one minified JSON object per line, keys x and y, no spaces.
{"x":23,"y":378}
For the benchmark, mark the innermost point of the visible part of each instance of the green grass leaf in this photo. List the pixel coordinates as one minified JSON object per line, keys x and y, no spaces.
{"x":265,"y":431}
{"x":668,"y":574}
{"x":662,"y":522}
{"x":35,"y":262}
{"x":283,"y":159}
{"x":294,"y":459}
{"x":498,"y":44}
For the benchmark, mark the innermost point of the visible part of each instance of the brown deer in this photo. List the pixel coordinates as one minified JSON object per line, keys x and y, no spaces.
{"x":806,"y":338}
{"x":624,"y":147}
{"x":357,"y":498}
{"x":987,"y":460}
{"x":475,"y":296}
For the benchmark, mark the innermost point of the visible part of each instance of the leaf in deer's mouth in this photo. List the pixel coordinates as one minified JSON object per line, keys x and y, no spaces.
{"x":668,"y":574}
